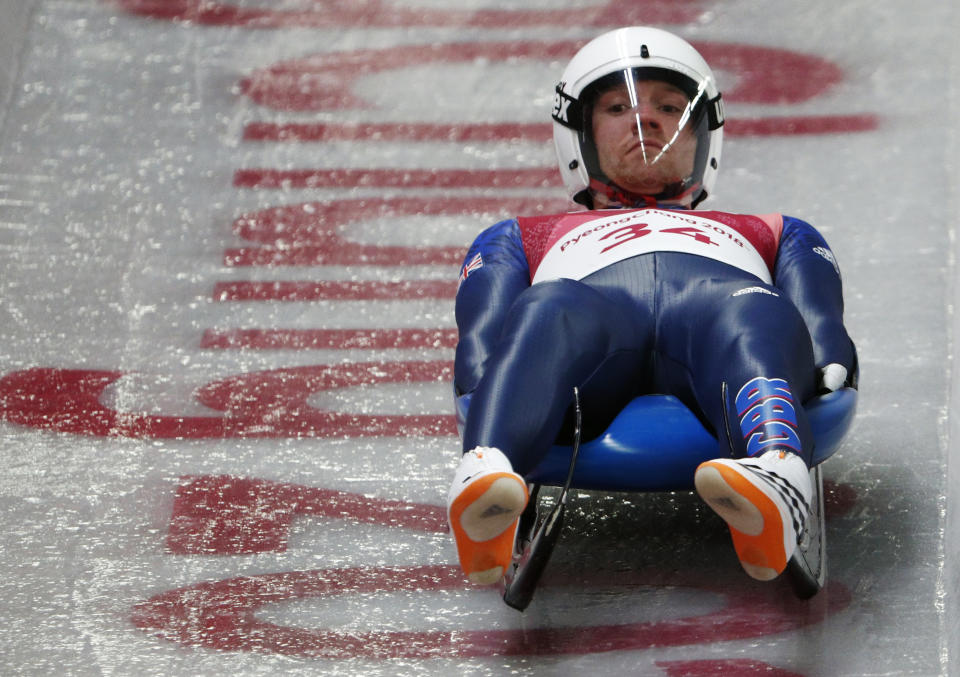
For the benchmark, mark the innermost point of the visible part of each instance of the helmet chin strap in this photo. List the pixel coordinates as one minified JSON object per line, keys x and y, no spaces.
{"x":616,"y":197}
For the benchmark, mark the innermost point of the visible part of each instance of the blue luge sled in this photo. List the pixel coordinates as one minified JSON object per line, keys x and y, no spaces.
{"x":656,"y":444}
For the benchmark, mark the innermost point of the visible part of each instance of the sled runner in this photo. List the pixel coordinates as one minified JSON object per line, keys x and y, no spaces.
{"x":656,"y":444}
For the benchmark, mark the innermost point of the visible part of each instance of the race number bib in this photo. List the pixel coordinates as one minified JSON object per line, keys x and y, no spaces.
{"x":581,"y":248}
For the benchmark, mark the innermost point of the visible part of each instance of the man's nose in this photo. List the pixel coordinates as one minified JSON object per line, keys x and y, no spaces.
{"x":647,"y":117}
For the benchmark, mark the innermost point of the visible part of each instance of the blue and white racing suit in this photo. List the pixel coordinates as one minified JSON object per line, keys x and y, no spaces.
{"x":733,"y":314}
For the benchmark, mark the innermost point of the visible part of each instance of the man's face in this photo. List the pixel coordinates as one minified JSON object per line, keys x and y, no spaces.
{"x":640,"y":145}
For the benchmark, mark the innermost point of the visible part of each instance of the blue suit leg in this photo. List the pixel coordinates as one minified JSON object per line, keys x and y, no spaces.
{"x":558,"y":335}
{"x":753,"y":369}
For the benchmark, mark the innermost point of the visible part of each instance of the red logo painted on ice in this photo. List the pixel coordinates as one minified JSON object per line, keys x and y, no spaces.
{"x":381,"y":13}
{"x":223,"y":615}
{"x":257,"y":404}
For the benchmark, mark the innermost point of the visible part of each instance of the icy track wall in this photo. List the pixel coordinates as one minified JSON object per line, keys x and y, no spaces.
{"x":232,"y":232}
{"x":951,"y":574}
{"x":14,"y":16}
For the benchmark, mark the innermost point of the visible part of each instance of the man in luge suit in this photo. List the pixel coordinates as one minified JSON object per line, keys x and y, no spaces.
{"x":738,"y":316}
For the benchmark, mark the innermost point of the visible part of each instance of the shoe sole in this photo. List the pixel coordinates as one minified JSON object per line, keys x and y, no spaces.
{"x":484,"y":522}
{"x":755,"y":521}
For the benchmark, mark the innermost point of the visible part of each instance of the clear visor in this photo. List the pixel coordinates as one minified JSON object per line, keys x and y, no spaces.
{"x":645,"y":136}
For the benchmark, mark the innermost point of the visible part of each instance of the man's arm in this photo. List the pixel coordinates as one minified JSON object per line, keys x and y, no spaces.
{"x":494,"y":272}
{"x":807,"y":272}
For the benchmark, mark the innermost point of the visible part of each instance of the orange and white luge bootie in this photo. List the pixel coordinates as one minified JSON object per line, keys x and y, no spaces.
{"x":765,"y":500}
{"x":483,"y":508}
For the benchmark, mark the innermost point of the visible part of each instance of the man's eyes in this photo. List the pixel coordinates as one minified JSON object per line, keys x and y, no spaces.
{"x":666,"y":108}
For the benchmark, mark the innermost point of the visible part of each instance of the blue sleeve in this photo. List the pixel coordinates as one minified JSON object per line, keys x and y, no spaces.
{"x":494,"y":273}
{"x":807,"y":272}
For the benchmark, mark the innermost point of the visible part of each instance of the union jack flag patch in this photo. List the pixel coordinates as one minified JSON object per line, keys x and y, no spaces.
{"x":474,"y":264}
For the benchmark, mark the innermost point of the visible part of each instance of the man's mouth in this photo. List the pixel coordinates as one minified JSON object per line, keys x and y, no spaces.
{"x":651,"y":149}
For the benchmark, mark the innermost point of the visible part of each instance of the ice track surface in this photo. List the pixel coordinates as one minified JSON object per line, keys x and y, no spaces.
{"x":229,"y":240}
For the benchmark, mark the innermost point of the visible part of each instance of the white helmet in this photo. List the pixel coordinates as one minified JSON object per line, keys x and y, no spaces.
{"x":630,"y":55}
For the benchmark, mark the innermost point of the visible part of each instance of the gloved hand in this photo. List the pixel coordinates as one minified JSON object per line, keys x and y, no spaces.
{"x":832,"y":377}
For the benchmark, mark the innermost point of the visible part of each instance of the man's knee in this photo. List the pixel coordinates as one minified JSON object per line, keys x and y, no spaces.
{"x":559,"y":303}
{"x":581,"y":316}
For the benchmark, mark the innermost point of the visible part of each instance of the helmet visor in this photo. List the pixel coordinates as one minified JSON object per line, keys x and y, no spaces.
{"x":645,"y":136}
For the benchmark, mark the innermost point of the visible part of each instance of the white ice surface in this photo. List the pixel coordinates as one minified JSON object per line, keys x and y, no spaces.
{"x":119,"y":139}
